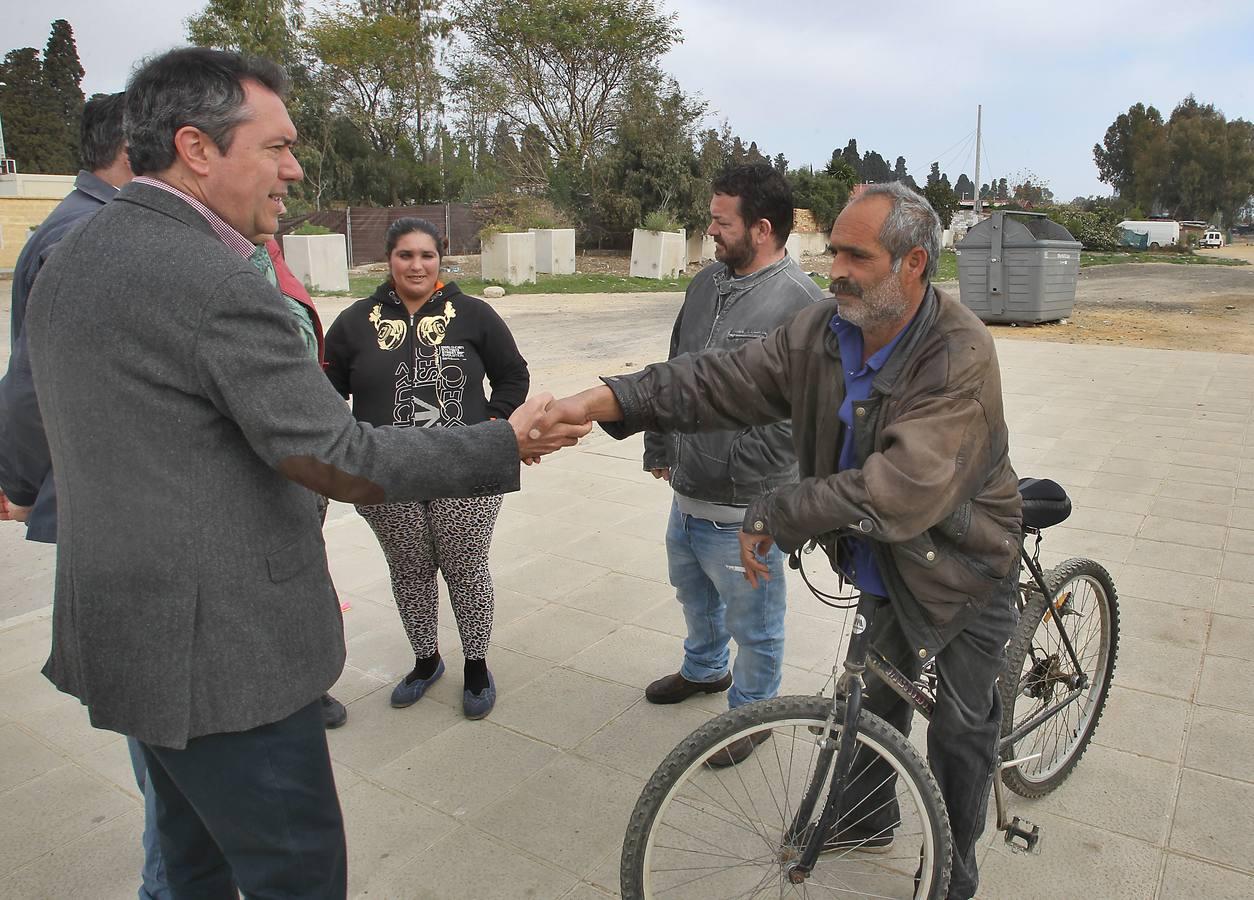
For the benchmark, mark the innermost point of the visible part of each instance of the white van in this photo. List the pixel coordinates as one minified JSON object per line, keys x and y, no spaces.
{"x":1161,"y":232}
{"x":1212,"y":238}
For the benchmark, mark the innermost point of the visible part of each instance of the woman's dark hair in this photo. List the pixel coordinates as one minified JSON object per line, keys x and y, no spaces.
{"x":100,"y":134}
{"x":192,"y":86}
{"x":763,"y":193}
{"x":409,"y":225}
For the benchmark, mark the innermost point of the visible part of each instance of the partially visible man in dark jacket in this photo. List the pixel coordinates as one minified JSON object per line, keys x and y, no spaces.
{"x":753,"y":287}
{"x":894,"y":392}
{"x":27,"y":493}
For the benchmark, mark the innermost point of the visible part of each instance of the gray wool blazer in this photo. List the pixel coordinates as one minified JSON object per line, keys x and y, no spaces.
{"x":187,"y":427}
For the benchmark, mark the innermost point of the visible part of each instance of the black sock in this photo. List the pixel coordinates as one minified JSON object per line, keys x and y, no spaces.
{"x":476,"y":675}
{"x":424,"y":667}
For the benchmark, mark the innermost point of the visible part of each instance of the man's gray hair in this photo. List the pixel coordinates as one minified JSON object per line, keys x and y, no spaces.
{"x":911,"y":223}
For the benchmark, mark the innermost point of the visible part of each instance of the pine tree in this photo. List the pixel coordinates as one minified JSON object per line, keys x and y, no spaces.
{"x":33,"y":135}
{"x":63,"y":76}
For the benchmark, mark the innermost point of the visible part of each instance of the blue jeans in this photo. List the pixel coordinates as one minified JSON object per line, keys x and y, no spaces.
{"x":719,"y":604}
{"x":152,"y":885}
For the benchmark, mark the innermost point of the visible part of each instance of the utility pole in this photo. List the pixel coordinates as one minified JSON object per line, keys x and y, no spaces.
{"x":979,"y":116}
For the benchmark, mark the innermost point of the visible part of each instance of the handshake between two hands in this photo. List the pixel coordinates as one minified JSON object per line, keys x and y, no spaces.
{"x":544,"y":425}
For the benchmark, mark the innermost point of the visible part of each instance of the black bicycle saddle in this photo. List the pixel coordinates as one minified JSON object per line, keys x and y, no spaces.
{"x":1045,"y":502}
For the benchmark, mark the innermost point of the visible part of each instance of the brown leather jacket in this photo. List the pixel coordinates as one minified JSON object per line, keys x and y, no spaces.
{"x":935,"y":492}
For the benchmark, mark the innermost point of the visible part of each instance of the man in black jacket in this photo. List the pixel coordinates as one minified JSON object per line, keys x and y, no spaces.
{"x":752,"y":288}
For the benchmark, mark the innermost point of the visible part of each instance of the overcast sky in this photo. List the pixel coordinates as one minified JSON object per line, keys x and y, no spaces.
{"x":801,"y":77}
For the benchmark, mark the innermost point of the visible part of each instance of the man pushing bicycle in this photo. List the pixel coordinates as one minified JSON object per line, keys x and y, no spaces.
{"x":894,"y":393}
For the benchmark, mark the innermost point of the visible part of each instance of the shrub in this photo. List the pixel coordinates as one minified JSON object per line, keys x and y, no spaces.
{"x":660,"y":220}
{"x":1094,"y":230}
{"x":310,"y":228}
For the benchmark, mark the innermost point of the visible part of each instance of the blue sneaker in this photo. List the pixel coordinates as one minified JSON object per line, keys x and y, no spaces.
{"x":476,"y":706}
{"x":408,"y":694}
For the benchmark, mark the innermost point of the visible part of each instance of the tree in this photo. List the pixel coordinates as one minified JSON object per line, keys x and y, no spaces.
{"x":875,"y":169}
{"x":266,"y":28}
{"x":533,"y":155}
{"x":652,"y":164}
{"x":900,"y":173}
{"x":823,"y":194}
{"x":379,"y":61}
{"x":780,"y":164}
{"x":852,"y":159}
{"x":63,"y":75}
{"x":753,"y":156}
{"x":934,"y":175}
{"x":842,"y":172}
{"x":32,"y":132}
{"x":939,"y":194}
{"x":1030,"y":190}
{"x":566,"y":65}
{"x":1003,"y":189}
{"x":964,"y":188}
{"x":1132,"y":157}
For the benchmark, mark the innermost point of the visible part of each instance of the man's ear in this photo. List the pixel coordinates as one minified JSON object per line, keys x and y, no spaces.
{"x":915,"y":263}
{"x":194,"y":149}
{"x":763,"y":232}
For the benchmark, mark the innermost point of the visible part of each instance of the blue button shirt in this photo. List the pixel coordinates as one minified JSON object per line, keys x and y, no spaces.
{"x":857,"y":558}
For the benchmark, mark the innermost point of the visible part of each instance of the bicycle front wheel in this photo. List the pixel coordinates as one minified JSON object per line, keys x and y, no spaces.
{"x":1040,"y":674}
{"x":702,"y":832}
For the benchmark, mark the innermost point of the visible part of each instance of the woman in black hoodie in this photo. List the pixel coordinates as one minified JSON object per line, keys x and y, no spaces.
{"x":415,"y":354}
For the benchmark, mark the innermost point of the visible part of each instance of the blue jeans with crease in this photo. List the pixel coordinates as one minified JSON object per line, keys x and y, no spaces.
{"x":719,"y":605}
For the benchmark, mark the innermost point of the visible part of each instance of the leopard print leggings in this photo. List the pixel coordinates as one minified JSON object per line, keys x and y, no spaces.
{"x":452,"y":536}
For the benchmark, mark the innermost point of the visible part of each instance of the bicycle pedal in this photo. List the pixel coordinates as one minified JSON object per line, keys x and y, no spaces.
{"x":1023,"y":837}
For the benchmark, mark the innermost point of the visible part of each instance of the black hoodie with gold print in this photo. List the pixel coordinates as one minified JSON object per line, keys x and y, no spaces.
{"x":425,"y":369}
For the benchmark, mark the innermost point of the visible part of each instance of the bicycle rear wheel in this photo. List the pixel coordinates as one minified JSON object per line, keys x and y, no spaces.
{"x":700,"y":832}
{"x":1039,"y":674}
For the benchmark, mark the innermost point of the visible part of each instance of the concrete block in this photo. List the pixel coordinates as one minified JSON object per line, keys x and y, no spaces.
{"x":657,"y":254}
{"x":700,"y":249}
{"x":555,"y":250}
{"x":509,"y":257}
{"x":320,"y":261}
{"x":809,"y":243}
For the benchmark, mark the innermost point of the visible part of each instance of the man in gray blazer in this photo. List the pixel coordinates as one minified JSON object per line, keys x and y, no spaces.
{"x":188,"y":427}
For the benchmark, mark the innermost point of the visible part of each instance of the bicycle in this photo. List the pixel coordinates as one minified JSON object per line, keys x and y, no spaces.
{"x":785,"y":822}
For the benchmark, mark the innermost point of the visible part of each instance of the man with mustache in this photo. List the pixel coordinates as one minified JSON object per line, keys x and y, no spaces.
{"x":894,"y":393}
{"x":753,"y":287}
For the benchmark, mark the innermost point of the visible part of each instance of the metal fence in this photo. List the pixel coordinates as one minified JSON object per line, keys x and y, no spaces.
{"x":365,"y":227}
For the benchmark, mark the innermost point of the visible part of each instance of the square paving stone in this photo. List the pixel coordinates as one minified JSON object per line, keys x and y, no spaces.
{"x":1157,"y":668}
{"x":1231,"y":636}
{"x":642,"y":557}
{"x":1215,"y":819}
{"x":640,"y":738}
{"x":25,"y":645}
{"x":470,"y":865}
{"x":1235,"y":598}
{"x":49,"y":811}
{"x":1197,"y":493}
{"x":563,"y":707}
{"x":1238,"y":567}
{"x":1240,"y":540}
{"x":632,"y":655}
{"x":466,"y":767}
{"x":571,"y":813}
{"x":1180,"y":531}
{"x":619,"y":596}
{"x":548,"y":576}
{"x":1165,"y":623}
{"x":1220,"y":742}
{"x":1188,"y":878}
{"x":1191,"y":510}
{"x":103,"y":864}
{"x":23,"y":757}
{"x":555,"y":632}
{"x":1113,"y":791}
{"x":384,"y":830}
{"x":1167,"y":586}
{"x":376,"y":734}
{"x":1226,"y":683}
{"x":1175,"y":556}
{"x":1144,"y":724}
{"x":1076,"y":860}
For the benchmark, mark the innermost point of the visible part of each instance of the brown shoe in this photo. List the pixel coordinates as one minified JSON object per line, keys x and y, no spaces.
{"x":737,"y":751}
{"x":676,"y":688}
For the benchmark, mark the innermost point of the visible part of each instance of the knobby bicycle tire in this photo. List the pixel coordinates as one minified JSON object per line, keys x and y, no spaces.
{"x":1036,"y":663}
{"x":746,"y":836}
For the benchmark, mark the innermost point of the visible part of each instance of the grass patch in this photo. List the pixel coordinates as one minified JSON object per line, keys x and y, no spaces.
{"x":1147,"y":256}
{"x":579,"y":283}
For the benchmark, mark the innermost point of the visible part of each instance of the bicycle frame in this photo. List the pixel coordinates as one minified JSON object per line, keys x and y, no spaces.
{"x":850,"y":685}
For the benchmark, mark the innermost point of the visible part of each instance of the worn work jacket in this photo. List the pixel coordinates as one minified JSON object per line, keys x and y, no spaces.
{"x":934,"y":489}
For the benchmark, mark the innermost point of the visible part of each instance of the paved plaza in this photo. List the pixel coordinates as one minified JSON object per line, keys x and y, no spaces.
{"x":1156,"y":448}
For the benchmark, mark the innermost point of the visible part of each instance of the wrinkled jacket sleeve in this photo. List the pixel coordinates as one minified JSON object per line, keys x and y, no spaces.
{"x":935,"y":455}
{"x":505,"y":367}
{"x":254,"y":369}
{"x":24,"y":457}
{"x":712,"y":390}
{"x":657,"y":446}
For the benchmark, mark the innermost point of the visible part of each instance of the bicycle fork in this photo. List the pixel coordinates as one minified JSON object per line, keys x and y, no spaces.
{"x":850,"y":685}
